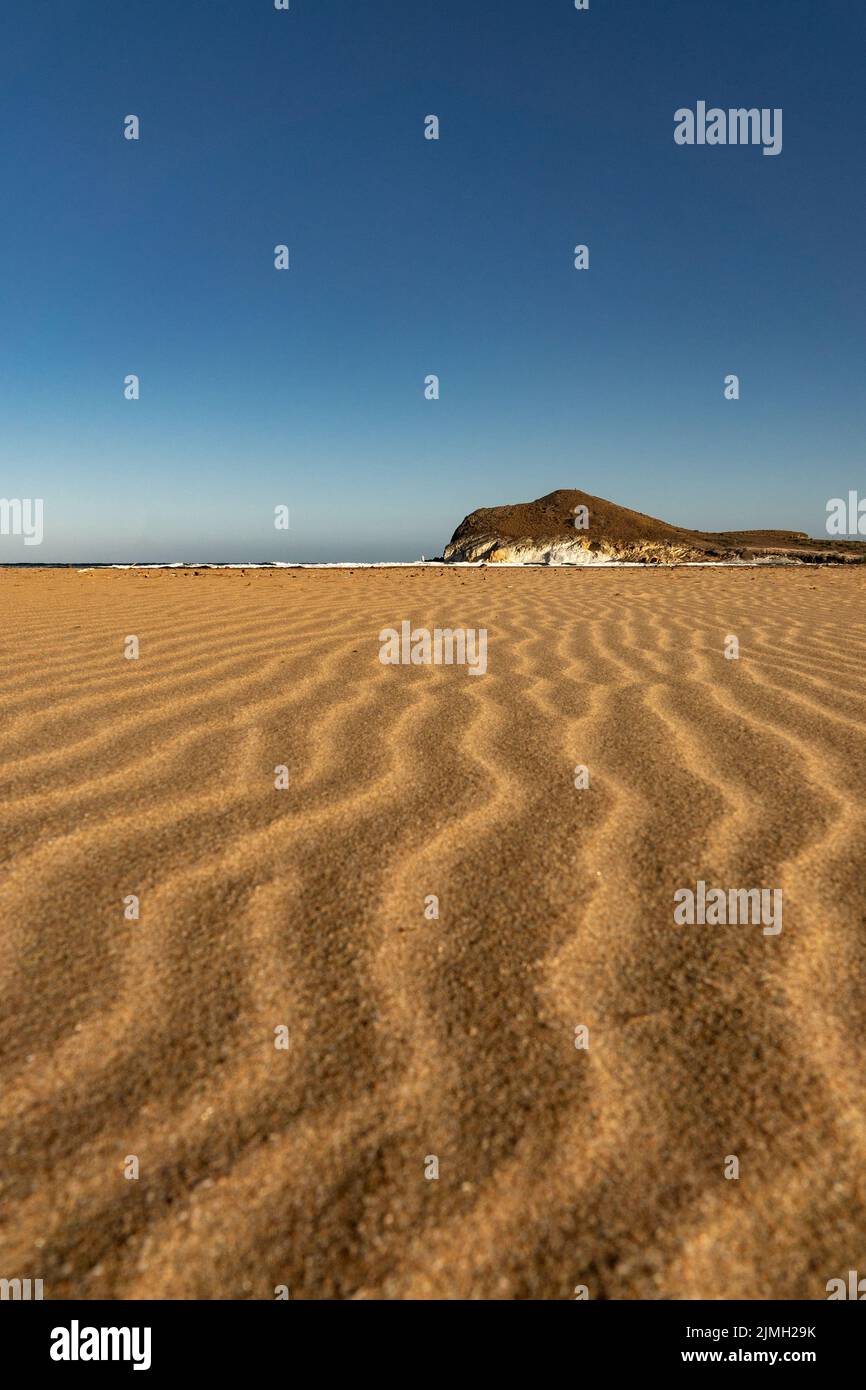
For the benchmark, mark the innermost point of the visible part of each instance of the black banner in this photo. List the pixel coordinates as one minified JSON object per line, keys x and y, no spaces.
{"x":224,"y":1338}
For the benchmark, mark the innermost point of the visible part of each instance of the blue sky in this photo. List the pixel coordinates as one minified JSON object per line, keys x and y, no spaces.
{"x":410,"y":257}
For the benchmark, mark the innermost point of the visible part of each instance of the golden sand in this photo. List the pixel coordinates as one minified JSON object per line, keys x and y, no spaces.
{"x":408,"y":1037}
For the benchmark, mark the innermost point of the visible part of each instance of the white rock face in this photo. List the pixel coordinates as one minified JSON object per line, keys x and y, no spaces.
{"x":501,"y":550}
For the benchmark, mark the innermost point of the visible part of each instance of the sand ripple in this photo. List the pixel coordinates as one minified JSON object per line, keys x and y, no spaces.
{"x":410,"y":1037}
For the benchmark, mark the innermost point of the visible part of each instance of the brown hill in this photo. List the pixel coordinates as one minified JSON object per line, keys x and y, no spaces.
{"x":544,"y":532}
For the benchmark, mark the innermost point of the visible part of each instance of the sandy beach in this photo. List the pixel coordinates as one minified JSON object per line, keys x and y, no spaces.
{"x":411,"y":1037}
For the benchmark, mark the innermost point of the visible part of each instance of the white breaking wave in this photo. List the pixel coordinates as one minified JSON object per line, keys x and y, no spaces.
{"x":594,"y":563}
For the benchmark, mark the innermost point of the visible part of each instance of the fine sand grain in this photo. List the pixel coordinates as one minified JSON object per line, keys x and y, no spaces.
{"x":411,"y":1037}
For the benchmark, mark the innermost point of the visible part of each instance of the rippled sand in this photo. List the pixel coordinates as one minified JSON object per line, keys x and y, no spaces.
{"x":409,"y":1037}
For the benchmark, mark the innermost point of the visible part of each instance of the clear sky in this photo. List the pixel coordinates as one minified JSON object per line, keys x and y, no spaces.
{"x":410,"y":257}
